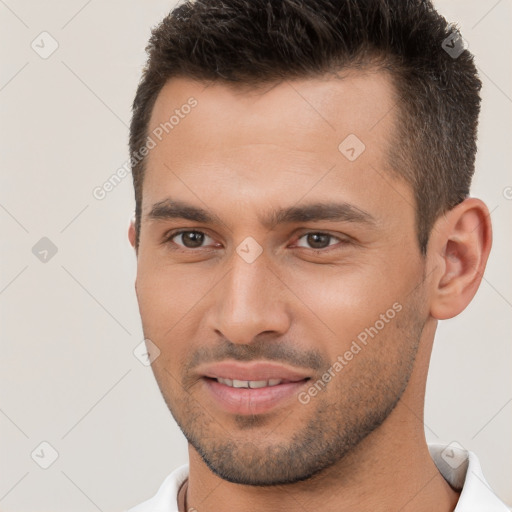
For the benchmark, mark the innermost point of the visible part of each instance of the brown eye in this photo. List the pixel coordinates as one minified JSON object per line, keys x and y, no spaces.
{"x":318,"y":240}
{"x":189,"y":239}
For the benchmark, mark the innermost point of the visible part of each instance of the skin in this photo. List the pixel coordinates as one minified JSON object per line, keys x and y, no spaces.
{"x":359,"y":444}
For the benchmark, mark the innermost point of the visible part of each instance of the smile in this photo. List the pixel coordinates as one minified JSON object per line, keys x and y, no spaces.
{"x":251,"y":388}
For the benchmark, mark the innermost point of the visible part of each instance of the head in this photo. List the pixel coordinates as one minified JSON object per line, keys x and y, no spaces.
{"x":301,"y":174}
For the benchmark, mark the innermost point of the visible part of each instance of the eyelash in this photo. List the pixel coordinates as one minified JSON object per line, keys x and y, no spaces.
{"x":172,"y":234}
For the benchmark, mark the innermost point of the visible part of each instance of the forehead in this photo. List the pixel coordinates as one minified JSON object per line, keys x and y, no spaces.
{"x":292,"y":110}
{"x":286,"y":139}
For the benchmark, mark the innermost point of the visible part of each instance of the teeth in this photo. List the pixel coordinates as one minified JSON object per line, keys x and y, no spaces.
{"x":257,"y":383}
{"x":253,"y":384}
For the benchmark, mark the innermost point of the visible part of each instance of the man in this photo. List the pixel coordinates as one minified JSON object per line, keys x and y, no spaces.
{"x":303,"y":221}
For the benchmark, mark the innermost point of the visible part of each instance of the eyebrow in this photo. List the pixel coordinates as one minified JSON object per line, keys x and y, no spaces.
{"x":320,"y":211}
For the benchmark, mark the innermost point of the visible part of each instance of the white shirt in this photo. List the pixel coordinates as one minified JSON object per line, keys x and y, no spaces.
{"x":460,"y":468}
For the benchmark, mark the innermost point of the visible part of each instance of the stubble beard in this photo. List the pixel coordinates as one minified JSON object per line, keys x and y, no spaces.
{"x":252,"y":451}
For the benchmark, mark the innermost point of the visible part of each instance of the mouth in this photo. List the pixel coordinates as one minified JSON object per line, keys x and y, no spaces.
{"x":252,"y":384}
{"x":252,"y":388}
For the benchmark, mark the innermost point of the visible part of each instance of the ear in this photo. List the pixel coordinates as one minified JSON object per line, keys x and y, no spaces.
{"x":461,"y":240}
{"x":132,"y":233}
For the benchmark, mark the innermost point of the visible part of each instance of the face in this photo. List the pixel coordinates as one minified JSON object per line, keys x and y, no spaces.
{"x":279,"y":272}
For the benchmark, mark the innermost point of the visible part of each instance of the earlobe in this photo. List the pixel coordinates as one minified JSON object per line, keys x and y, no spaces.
{"x":131,"y":233}
{"x":462,"y":241}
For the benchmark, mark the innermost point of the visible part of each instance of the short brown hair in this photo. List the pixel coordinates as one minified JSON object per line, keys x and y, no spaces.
{"x":253,"y":42}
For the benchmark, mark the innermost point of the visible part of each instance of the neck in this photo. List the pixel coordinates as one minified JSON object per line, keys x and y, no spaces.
{"x":391,"y":469}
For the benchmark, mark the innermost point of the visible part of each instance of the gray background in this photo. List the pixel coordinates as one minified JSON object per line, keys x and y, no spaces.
{"x":69,"y":324}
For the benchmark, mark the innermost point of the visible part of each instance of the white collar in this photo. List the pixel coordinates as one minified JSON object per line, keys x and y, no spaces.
{"x":166,"y":499}
{"x":460,"y":468}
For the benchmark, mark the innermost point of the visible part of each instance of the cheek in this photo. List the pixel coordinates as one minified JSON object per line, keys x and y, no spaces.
{"x":166,"y":293}
{"x":171,"y":305}
{"x":349,"y":300}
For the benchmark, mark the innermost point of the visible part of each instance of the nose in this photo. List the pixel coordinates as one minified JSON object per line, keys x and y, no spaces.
{"x":250,"y":300}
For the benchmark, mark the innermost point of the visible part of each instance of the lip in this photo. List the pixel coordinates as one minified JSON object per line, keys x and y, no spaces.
{"x":251,"y":401}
